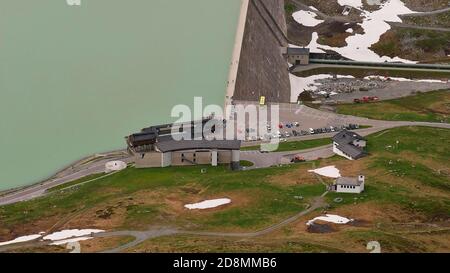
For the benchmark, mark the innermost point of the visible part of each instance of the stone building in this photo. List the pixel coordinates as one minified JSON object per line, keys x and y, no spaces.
{"x":297,"y":56}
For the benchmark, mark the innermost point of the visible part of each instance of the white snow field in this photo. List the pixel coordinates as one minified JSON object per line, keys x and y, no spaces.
{"x":329,"y":171}
{"x":208,"y":204}
{"x":58,"y":238}
{"x":332,"y":218}
{"x":374,"y":25}
{"x":306,"y":18}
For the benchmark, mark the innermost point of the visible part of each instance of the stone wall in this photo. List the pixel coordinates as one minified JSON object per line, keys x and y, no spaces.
{"x":262,"y":69}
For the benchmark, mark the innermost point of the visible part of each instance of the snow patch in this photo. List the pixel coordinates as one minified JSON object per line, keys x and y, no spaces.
{"x":207,"y":204}
{"x":384,"y":78}
{"x":72,"y":240}
{"x":301,"y":84}
{"x":329,"y":171}
{"x":58,"y":238}
{"x":331,"y":218}
{"x":352,"y":3}
{"x":21,"y":239}
{"x":306,"y":18}
{"x":374,"y":25}
{"x":69,"y":233}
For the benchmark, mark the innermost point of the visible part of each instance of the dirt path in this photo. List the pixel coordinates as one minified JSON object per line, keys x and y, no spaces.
{"x":141,"y":236}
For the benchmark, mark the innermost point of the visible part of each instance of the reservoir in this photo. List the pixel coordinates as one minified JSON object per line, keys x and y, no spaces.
{"x":74,"y":80}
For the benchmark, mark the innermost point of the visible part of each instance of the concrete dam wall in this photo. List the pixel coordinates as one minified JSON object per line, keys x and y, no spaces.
{"x":263,"y":71}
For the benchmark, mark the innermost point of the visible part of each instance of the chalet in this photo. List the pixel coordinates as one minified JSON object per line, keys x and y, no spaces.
{"x":297,"y":56}
{"x":349,"y":145}
{"x":349,"y":184}
{"x":156,"y":147}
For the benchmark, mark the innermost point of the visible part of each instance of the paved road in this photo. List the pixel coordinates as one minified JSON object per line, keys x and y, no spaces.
{"x":264,"y":160}
{"x":426,"y":13}
{"x":344,"y":19}
{"x":315,"y":66}
{"x":403,"y":25}
{"x":65,"y":176}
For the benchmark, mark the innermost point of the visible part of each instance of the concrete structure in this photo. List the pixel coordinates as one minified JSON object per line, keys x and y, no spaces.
{"x":155,"y":147}
{"x":263,"y":70}
{"x":297,"y":56}
{"x":349,"y":184}
{"x":349,"y":145}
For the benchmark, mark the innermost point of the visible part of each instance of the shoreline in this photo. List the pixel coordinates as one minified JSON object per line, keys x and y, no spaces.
{"x":234,"y":64}
{"x":232,"y":75}
{"x":78,"y":169}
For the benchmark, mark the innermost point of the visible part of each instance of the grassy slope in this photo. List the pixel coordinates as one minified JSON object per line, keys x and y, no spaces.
{"x":408,"y":182}
{"x":420,"y":152}
{"x":267,"y":202}
{"x":295,"y":145}
{"x":437,"y":20}
{"x":403,"y":174}
{"x":431,"y":106}
{"x":418,"y":45}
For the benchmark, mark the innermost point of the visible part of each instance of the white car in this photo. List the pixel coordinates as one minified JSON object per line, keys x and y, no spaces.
{"x":311,"y":131}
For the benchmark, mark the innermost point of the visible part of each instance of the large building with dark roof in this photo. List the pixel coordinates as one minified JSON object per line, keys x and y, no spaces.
{"x":156,"y":146}
{"x":349,"y":145}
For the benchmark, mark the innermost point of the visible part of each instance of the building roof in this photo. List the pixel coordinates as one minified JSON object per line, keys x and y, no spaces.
{"x":297,"y":51}
{"x":174,"y":145}
{"x":351,"y":150}
{"x":146,"y":136}
{"x":346,"y":137}
{"x":351,"y":181}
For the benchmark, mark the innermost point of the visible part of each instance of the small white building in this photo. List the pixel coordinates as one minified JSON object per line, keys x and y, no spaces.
{"x":349,"y":184}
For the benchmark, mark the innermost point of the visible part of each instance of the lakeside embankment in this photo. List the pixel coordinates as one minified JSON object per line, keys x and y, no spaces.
{"x":71,"y":171}
{"x":234,"y":64}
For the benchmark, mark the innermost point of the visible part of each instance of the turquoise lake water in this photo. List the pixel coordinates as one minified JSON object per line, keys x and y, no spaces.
{"x":74,"y":80}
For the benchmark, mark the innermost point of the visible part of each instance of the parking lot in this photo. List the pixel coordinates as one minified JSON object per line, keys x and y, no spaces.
{"x":299,"y":120}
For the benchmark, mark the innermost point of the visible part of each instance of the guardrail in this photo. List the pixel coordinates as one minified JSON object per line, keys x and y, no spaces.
{"x":444,"y":68}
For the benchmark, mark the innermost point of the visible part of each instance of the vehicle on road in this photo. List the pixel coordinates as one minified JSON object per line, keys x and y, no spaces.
{"x":298,"y":159}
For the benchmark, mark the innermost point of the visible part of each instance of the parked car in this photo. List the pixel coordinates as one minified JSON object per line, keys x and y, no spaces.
{"x":298,"y":159}
{"x":312,"y":131}
{"x":294,"y":133}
